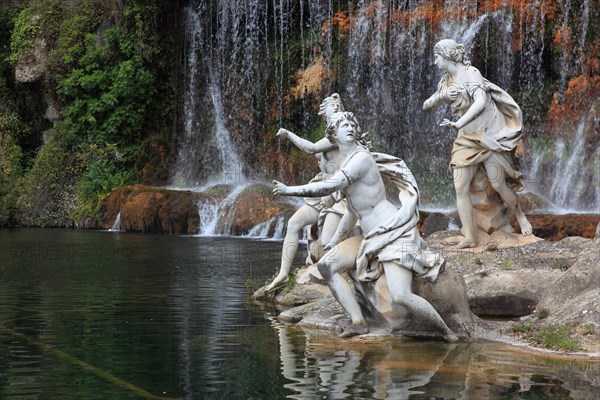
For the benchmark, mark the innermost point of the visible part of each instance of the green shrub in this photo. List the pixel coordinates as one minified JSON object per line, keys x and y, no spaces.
{"x":106,"y":94}
{"x":26,"y":27}
{"x":48,"y":195}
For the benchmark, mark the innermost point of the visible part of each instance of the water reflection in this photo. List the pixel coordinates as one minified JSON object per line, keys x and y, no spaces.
{"x":320,"y":366}
{"x":92,"y":315}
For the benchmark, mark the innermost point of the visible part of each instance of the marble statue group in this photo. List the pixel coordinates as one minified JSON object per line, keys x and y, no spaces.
{"x":361,"y":232}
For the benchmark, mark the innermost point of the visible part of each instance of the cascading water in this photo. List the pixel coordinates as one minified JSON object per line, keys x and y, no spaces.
{"x":117,"y":226}
{"x":251,"y":57}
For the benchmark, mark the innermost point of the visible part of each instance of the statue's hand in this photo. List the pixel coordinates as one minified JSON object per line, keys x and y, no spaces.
{"x":330,"y":245}
{"x":280,"y":189}
{"x":447,"y":122}
{"x":282,"y":133}
{"x":453,"y":92}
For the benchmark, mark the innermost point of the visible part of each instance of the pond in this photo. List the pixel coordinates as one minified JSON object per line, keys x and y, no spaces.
{"x":99,"y":315}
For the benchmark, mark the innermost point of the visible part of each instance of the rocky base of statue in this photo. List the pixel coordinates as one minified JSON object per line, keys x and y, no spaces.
{"x":491,"y":217}
{"x":448,"y":295}
{"x":558,"y":278}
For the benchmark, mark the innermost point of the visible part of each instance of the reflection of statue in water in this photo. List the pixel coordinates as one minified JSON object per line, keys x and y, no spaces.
{"x":489,"y":129}
{"x":329,"y":206}
{"x":391,"y":245}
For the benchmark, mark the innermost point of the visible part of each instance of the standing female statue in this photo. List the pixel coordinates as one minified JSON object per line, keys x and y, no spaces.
{"x":489,"y":129}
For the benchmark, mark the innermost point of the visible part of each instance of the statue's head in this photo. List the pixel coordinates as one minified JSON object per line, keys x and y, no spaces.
{"x":452,"y":51}
{"x":335,"y":121}
{"x":330,"y":105}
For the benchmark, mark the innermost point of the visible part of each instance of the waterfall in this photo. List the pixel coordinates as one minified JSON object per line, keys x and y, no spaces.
{"x":196,"y":161}
{"x":576,"y":185}
{"x":184,"y":170}
{"x":243,"y":59}
{"x":273,"y":228}
{"x":231,"y":168}
{"x":117,"y":226}
{"x":211,"y":213}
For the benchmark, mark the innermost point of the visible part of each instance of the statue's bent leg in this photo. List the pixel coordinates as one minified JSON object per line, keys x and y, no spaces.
{"x":399,"y":281}
{"x":332,"y":220}
{"x":305,"y":215}
{"x":497,"y":178}
{"x":331,"y":265}
{"x":462,"y":181}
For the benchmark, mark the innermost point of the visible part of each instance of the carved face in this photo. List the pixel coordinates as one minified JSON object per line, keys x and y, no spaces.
{"x":346,"y":132}
{"x":441,"y":62}
{"x":330,"y":108}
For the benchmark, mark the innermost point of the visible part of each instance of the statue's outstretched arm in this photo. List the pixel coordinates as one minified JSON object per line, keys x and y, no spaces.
{"x":315,"y":189}
{"x":306,"y":145}
{"x":434,"y":101}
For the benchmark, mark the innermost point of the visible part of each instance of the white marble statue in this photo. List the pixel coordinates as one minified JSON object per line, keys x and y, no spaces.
{"x":392,"y":244}
{"x":328,"y":157}
{"x":488,"y":130}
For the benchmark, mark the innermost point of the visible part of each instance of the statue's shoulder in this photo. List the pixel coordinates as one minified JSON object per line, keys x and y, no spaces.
{"x":472,"y":75}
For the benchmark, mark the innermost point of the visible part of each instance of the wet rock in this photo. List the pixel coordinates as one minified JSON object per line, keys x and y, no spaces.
{"x":158,"y":210}
{"x":531,"y":202}
{"x":433,"y":222}
{"x":256,"y":205}
{"x":554,"y":227}
{"x":319,"y":310}
{"x":152,"y":210}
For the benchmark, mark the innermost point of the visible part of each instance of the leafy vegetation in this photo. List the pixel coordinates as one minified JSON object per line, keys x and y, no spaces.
{"x":108,"y":74}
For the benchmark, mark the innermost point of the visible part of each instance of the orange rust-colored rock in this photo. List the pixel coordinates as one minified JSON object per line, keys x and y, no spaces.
{"x":152,"y":210}
{"x":557,"y":227}
{"x":157,"y":210}
{"x":256,"y":205}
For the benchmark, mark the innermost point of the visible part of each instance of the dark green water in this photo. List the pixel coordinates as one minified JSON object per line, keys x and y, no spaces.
{"x":98,"y":315}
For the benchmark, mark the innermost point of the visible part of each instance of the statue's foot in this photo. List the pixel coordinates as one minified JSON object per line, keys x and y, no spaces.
{"x":276,"y":284}
{"x":354,"y":330}
{"x":466,"y":243}
{"x":434,"y":272}
{"x":450,"y":337}
{"x":526,"y":228}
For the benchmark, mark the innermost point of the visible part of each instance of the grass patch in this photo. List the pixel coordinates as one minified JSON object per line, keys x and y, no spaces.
{"x":556,"y":336}
{"x":522,"y":327}
{"x":506,"y":264}
{"x":478,"y":261}
{"x":552,"y":336}
{"x":483,"y":274}
{"x":560,"y":263}
{"x":541,"y":313}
